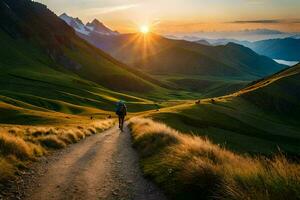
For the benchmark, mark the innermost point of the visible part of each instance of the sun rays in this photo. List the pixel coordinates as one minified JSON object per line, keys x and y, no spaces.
{"x":145,"y":29}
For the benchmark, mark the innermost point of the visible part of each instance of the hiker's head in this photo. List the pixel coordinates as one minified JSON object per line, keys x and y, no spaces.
{"x":121,"y":102}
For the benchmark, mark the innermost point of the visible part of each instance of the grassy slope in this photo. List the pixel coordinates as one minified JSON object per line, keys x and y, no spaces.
{"x":206,"y":86}
{"x":189,"y":167}
{"x":26,"y":78}
{"x":258,"y":119}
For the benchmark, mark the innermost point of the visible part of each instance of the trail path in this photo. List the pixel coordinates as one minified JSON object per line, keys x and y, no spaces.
{"x":103,"y":166}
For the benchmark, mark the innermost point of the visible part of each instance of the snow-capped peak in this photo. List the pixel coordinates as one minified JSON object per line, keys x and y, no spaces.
{"x":99,"y":27}
{"x":76,"y":23}
{"x":91,"y":27}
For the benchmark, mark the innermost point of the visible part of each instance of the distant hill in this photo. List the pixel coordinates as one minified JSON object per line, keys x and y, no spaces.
{"x":217,"y":42}
{"x":282,"y":48}
{"x":204,"y":42}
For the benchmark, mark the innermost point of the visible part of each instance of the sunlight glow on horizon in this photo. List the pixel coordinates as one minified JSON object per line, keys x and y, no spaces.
{"x":185,"y":15}
{"x":144,"y":29}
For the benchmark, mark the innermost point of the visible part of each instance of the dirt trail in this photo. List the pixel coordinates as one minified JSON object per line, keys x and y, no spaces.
{"x":103,"y":166}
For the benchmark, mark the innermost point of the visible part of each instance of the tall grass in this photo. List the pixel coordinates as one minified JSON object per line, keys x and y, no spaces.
{"x":6,"y":169}
{"x":20,"y":144}
{"x":14,"y":145}
{"x":190,"y":167}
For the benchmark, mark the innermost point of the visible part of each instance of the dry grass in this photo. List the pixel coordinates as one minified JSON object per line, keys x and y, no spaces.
{"x":190,"y":167}
{"x":14,"y":145}
{"x":52,"y":141}
{"x":27,"y":143}
{"x":6,"y":169}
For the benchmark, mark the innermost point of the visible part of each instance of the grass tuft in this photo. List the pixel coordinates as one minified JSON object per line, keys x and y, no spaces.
{"x":6,"y":170}
{"x":12,"y":145}
{"x":52,"y":141}
{"x":72,"y":137}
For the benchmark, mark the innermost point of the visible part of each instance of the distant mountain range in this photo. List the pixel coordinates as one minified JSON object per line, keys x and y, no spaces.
{"x":94,"y":27}
{"x":282,"y":49}
{"x":247,"y":34}
{"x":159,"y":55}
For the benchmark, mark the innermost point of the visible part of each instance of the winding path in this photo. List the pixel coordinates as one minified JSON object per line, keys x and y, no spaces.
{"x":103,"y":166}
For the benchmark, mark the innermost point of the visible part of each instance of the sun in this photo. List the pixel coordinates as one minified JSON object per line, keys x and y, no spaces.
{"x":144,"y":29}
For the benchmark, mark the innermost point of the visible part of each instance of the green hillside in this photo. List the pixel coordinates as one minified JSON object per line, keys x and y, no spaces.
{"x":31,"y":80}
{"x":277,"y":94}
{"x":262,"y":118}
{"x":46,"y":68}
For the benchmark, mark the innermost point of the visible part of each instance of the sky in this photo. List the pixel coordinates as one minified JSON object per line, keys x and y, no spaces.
{"x":180,"y":16}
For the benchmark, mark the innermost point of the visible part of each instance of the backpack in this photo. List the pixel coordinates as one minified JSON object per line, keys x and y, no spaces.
{"x":121,"y":109}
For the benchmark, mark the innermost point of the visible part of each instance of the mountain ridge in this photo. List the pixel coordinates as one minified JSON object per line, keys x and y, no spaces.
{"x":94,"y":27}
{"x":127,"y":48}
{"x":132,"y":44}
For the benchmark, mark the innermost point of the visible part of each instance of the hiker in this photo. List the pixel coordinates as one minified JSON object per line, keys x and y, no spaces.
{"x":121,"y":111}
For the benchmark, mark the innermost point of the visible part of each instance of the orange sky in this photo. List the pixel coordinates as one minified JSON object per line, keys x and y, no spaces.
{"x":166,"y":27}
{"x":168,"y":16}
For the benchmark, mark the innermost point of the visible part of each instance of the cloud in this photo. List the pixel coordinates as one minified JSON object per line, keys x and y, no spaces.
{"x":297,"y":21}
{"x":268,"y":21}
{"x":105,"y":10}
{"x":262,"y":21}
{"x":257,"y":2}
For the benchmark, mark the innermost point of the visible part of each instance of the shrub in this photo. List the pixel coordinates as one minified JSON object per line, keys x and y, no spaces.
{"x":52,"y":141}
